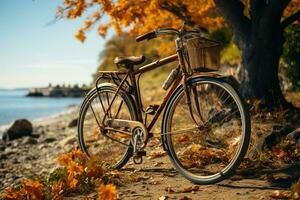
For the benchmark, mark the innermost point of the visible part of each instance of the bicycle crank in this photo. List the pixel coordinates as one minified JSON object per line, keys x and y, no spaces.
{"x":135,"y":126}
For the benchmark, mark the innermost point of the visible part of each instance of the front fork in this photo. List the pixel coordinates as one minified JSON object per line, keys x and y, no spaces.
{"x":192,"y":93}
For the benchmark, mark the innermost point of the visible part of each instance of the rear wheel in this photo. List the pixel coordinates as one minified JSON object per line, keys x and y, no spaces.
{"x":112,"y":148}
{"x":207,"y":144}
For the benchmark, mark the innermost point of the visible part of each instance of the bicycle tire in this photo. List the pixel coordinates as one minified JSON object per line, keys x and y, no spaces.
{"x":174,"y":147}
{"x":92,"y":95}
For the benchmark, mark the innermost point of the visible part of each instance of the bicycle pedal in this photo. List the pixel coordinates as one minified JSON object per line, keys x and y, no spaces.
{"x":151,"y":110}
{"x":140,"y":153}
{"x":150,"y":135}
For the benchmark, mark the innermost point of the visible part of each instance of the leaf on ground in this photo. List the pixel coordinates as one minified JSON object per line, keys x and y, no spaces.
{"x":169,"y":189}
{"x":185,"y":198}
{"x":183,"y":138}
{"x":295,"y":191}
{"x":280,"y":194}
{"x":107,"y":192}
{"x":190,"y":189}
{"x":163,"y":198}
{"x":156,"y":154}
{"x":278,"y":152}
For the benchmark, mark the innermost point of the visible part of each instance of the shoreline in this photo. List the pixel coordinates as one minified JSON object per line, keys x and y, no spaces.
{"x":37,"y":154}
{"x":40,"y":121}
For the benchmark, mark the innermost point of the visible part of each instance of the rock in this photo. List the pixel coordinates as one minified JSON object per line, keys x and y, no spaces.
{"x":73,"y":123}
{"x":49,"y":140}
{"x":3,"y":156}
{"x":19,"y":128}
{"x":29,"y":140}
{"x":67,"y":141}
{"x":294,"y":135}
{"x":2,"y":145}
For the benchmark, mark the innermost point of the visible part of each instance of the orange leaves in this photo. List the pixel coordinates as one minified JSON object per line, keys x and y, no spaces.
{"x":77,"y":166}
{"x":139,"y":16}
{"x":30,"y":189}
{"x":142,"y":16}
{"x":107,"y":192}
{"x":80,"y":35}
{"x":11,"y":194}
{"x":76,"y":175}
{"x":278,"y":152}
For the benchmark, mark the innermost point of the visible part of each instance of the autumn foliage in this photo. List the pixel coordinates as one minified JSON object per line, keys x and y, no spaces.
{"x":145,"y":15}
{"x":75,"y":174}
{"x":30,"y":189}
{"x":139,"y":16}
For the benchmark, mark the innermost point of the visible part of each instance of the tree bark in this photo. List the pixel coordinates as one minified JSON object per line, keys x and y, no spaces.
{"x":260,"y":40}
{"x":260,"y":62}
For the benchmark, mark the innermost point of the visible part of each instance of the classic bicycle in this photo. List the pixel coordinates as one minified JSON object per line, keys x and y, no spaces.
{"x":205,"y":126}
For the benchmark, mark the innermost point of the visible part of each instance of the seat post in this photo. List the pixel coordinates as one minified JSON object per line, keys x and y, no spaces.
{"x":136,"y":96}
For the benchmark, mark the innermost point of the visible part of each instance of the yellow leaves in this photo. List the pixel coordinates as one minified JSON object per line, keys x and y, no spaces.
{"x":107,"y":192}
{"x":30,"y":189}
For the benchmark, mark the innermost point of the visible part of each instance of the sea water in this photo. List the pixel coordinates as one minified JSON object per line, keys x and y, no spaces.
{"x":15,"y":105}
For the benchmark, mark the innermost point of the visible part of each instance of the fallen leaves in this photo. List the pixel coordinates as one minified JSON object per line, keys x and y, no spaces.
{"x":280,"y":194}
{"x":75,"y":174}
{"x":30,"y":189}
{"x":183,"y":138}
{"x":184,"y":190}
{"x":295,"y":190}
{"x":278,"y":152}
{"x":156,"y":154}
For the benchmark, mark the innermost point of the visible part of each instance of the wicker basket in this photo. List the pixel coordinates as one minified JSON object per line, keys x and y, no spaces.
{"x":203,"y":54}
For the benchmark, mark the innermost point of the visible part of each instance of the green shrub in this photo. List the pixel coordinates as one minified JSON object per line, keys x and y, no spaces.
{"x":291,"y":55}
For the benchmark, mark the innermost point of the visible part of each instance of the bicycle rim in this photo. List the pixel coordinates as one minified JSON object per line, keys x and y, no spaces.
{"x":107,"y":149}
{"x":218,"y":131}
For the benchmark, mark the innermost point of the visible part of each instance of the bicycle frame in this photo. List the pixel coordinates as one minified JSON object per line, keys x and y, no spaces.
{"x":135,"y":90}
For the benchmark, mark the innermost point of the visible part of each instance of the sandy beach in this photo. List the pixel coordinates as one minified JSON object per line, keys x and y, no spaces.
{"x":155,"y":178}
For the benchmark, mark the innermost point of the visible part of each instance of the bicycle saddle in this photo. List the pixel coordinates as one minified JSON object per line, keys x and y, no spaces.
{"x":129,"y":61}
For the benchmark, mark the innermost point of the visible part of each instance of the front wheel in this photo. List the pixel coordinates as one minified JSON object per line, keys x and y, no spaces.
{"x":207,"y":140}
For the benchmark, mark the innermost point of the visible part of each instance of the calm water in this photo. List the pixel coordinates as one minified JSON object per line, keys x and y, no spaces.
{"x":14,"y":104}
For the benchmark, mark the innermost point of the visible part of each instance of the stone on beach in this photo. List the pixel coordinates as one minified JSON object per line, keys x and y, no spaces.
{"x":73,"y":123}
{"x":19,"y":128}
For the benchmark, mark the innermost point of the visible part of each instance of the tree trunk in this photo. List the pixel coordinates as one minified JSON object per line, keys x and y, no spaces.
{"x":259,"y":37}
{"x":259,"y":71}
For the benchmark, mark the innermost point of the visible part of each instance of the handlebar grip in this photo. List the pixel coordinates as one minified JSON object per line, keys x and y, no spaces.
{"x":145,"y":36}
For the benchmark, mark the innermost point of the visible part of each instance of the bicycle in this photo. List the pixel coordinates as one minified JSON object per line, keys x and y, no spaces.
{"x":205,"y":125}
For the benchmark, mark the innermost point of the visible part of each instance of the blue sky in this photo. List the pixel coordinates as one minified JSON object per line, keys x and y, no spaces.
{"x":33,"y":54}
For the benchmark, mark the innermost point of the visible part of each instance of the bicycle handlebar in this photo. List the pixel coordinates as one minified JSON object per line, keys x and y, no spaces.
{"x":166,"y":31}
{"x":145,"y":36}
{"x":157,"y":32}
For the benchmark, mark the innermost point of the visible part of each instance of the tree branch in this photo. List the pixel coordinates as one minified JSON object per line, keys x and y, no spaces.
{"x":178,"y":10}
{"x":290,"y":19}
{"x":232,"y":11}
